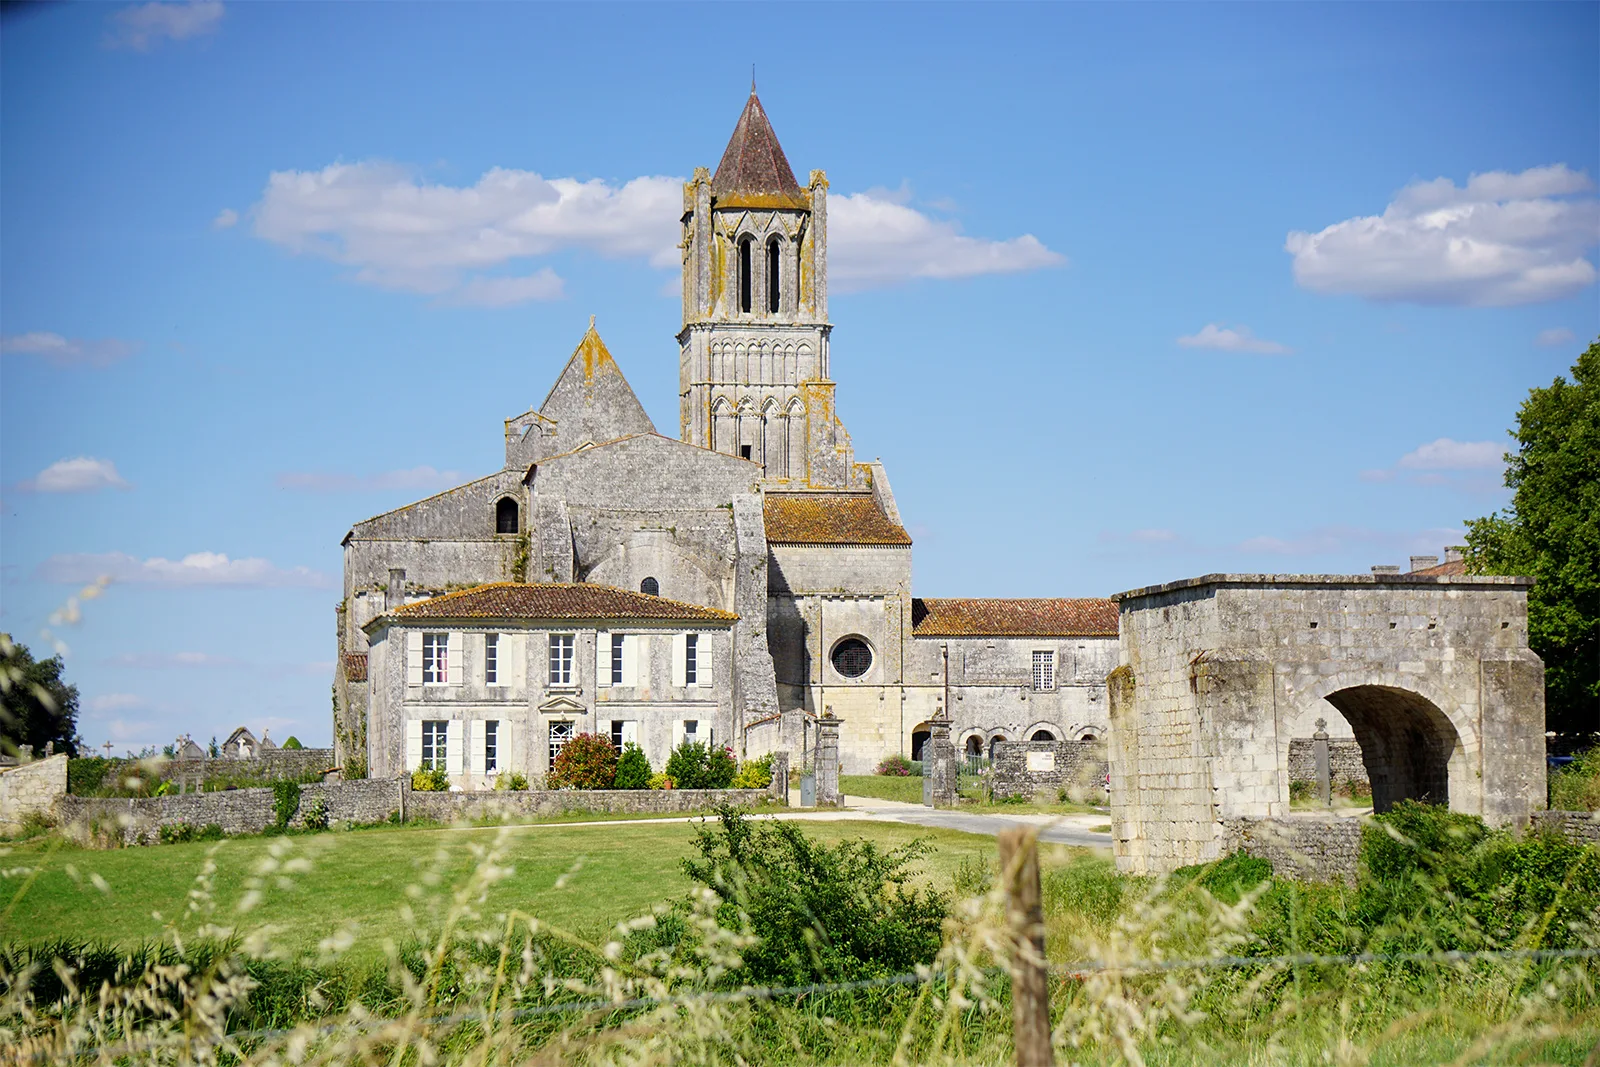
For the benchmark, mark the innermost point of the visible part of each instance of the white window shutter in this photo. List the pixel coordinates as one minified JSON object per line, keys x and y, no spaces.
{"x":602,"y":658}
{"x":479,"y":742}
{"x":680,"y":652}
{"x":414,"y":663}
{"x":516,"y":648}
{"x":414,"y":742}
{"x":455,"y":662}
{"x":452,"y":750}
{"x":632,"y":648}
{"x":677,"y":734}
{"x":702,"y":665}
{"x":630,"y":732}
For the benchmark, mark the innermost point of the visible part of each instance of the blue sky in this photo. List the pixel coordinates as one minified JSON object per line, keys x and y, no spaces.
{"x":1121,"y":294}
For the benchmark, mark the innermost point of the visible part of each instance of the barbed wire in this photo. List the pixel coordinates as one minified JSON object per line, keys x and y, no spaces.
{"x":1078,"y":969}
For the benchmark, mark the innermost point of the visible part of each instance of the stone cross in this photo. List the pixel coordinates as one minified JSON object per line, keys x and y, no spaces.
{"x":1319,"y":745}
{"x":107,"y":746}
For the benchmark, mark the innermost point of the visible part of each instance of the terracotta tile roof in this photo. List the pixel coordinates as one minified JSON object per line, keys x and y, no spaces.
{"x":991,"y":617}
{"x":1448,"y":569}
{"x":754,"y":171}
{"x":829,"y":519}
{"x":355,"y":666}
{"x":556,"y":600}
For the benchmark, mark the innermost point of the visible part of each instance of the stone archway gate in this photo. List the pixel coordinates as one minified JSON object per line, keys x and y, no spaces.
{"x":1219,"y":673}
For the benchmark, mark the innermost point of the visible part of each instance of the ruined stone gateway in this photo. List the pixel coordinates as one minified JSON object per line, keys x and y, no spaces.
{"x":1219,"y":673}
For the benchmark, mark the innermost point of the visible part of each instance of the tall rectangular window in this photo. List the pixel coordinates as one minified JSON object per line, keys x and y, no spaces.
{"x":561,"y":646}
{"x":1044,"y":671}
{"x":435,"y":658}
{"x":691,"y":674}
{"x":491,"y":659}
{"x":618,"y":645}
{"x":491,"y":745}
{"x":616,"y":734}
{"x":434,"y":748}
{"x":560,"y":734}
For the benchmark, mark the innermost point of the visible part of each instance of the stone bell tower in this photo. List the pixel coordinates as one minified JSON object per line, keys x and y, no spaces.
{"x":753,"y":363}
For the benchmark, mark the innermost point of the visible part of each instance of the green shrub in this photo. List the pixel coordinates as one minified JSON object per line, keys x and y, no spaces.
{"x":354,"y":767}
{"x":430,"y":780}
{"x":974,"y":876}
{"x":1576,"y":787}
{"x":687,"y":765}
{"x":85,"y":773}
{"x":164,"y":789}
{"x":633,"y":768}
{"x":896,"y":765}
{"x":754,"y":774}
{"x":285,"y":802}
{"x":821,"y":914}
{"x":179,"y":832}
{"x":511,"y":780}
{"x":662,"y":781}
{"x":316,"y":817}
{"x":720,"y":768}
{"x":588,"y":761}
{"x":292,"y":743}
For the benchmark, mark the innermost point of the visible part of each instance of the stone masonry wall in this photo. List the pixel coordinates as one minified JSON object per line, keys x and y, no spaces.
{"x":31,"y":789}
{"x":1027,"y":768}
{"x":245,"y":811}
{"x":1581,"y":827}
{"x":276,"y":763}
{"x":1344,"y":761}
{"x":1312,"y":848}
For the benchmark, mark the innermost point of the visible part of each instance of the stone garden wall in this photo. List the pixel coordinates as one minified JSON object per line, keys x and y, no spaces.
{"x":31,"y":789}
{"x":1580,"y":827}
{"x":275,"y":763}
{"x":1313,"y":848}
{"x":1028,"y":768}
{"x":1344,"y":761}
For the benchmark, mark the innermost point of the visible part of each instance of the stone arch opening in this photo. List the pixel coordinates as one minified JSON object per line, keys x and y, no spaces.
{"x":1042,"y":735}
{"x":994,"y":743}
{"x":920,"y":734}
{"x":974,"y":752}
{"x":507,"y":516}
{"x":1406,"y":743}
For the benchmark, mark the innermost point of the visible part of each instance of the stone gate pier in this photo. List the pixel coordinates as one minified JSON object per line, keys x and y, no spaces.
{"x":1219,"y":673}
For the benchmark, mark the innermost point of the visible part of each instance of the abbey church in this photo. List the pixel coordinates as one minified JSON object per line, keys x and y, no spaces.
{"x":730,"y":584}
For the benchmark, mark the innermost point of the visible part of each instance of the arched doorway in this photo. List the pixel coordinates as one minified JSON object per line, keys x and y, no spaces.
{"x":974,"y":748}
{"x":919,"y":737}
{"x":994,"y":742}
{"x":1406,"y":743}
{"x":1042,"y":735}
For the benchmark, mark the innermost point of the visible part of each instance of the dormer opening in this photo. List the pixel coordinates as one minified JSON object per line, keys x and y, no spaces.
{"x":744,"y":275}
{"x":774,"y":287}
{"x":506,"y":517}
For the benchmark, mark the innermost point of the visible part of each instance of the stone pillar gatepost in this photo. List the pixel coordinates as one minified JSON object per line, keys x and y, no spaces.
{"x":779,"y":788}
{"x":939,"y":764}
{"x":828,"y":762}
{"x":1319,"y":745}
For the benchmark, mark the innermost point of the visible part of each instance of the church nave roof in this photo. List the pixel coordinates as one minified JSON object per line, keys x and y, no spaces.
{"x":847,"y":518}
{"x":999,"y":617}
{"x":556,"y":600}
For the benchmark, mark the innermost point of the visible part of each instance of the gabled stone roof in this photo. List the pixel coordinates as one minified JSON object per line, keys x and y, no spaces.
{"x":994,"y":617}
{"x":754,"y":171}
{"x":555,"y":600}
{"x":829,"y":519}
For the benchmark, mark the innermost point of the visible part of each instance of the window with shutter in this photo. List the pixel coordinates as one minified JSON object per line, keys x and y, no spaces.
{"x":1044,"y":671}
{"x":435,"y":659}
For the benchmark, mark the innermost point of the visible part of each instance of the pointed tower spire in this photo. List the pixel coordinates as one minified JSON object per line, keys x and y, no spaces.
{"x":754,"y":169}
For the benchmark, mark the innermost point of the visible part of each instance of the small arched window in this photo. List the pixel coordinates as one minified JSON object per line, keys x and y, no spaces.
{"x":650,"y":587}
{"x":774,"y":288}
{"x":744,"y":275}
{"x":505,"y":517}
{"x":1042,"y":735}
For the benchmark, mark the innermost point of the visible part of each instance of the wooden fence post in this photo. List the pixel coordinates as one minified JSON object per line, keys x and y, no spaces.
{"x":1030,"y":977}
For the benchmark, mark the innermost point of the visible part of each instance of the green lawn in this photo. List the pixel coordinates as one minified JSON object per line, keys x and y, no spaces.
{"x":583,"y":879}
{"x":882,"y":786}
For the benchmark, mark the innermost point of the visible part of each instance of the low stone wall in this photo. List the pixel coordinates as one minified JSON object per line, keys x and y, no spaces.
{"x":1345,"y":765}
{"x":138,"y":821}
{"x":1580,"y":827}
{"x":31,"y":789}
{"x":1028,"y":768}
{"x":1313,"y":848}
{"x":275,"y":763}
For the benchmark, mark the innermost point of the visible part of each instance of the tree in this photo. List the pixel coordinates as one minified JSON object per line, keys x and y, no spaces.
{"x":36,"y":706}
{"x":1551,"y":532}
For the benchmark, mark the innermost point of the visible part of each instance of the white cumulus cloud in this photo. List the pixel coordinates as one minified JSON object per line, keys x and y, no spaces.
{"x":143,"y":26}
{"x":1233,"y":339}
{"x":423,"y":478}
{"x":458,"y":242}
{"x":195,"y":569}
{"x":1554,"y":337}
{"x":1502,"y":239}
{"x":226,"y":219}
{"x":82,"y":475}
{"x":1448,"y":455}
{"x":67,"y":351}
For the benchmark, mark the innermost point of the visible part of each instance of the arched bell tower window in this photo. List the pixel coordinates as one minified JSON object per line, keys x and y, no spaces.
{"x":774,"y":290}
{"x":744,"y":275}
{"x":505,"y":517}
{"x":650,"y":587}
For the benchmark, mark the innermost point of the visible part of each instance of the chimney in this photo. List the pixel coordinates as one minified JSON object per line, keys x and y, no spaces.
{"x":1422,"y":563}
{"x":1455,"y":553}
{"x":1386,"y":568}
{"x":395,"y":595}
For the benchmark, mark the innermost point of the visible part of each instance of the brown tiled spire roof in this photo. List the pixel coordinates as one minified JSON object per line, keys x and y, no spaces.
{"x":556,"y":600}
{"x":829,"y":519}
{"x":753,"y":171}
{"x":992,"y":617}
